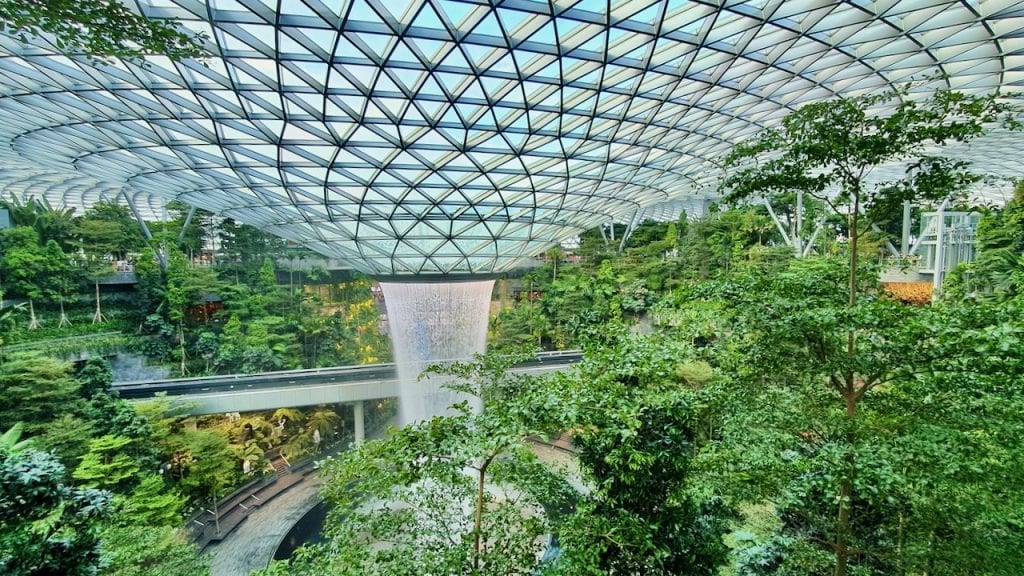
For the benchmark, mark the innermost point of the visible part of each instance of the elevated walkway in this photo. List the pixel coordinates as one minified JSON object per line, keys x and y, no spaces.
{"x":295,"y":388}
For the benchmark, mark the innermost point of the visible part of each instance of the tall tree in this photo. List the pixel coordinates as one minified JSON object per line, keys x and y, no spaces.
{"x":637,"y":430}
{"x":23,"y":266}
{"x":458,"y":494}
{"x":59,"y":278}
{"x":834,"y":146}
{"x":934,"y":415}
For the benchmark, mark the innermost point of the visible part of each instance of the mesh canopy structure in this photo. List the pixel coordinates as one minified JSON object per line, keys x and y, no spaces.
{"x":437,"y":137}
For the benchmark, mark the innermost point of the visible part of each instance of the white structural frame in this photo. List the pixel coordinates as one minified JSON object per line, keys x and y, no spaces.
{"x":448,"y":137}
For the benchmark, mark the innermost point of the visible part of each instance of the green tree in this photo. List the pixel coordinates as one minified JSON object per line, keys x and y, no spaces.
{"x":95,"y":377}
{"x":108,"y":229}
{"x":33,"y":389}
{"x":67,"y":437}
{"x":210,"y":467}
{"x":247,"y":245}
{"x":461,"y":494}
{"x":554,"y":255}
{"x":151,"y":550}
{"x":106,"y":465}
{"x":59,"y":277}
{"x":783,"y":438}
{"x":99,"y":28}
{"x":104,"y":233}
{"x":50,"y":223}
{"x":837,"y":144}
{"x":150,"y":504}
{"x":23,"y":266}
{"x":636,"y":431}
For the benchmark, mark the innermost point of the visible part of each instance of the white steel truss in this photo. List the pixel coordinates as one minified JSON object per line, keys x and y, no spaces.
{"x":461,"y":136}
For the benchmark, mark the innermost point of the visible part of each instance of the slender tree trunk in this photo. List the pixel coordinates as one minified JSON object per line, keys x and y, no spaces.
{"x":33,"y":323}
{"x":98,"y":316}
{"x":478,"y":544}
{"x":181,"y":345}
{"x":216,"y":515}
{"x":63,"y":317}
{"x":844,"y":518}
{"x":854,"y":238}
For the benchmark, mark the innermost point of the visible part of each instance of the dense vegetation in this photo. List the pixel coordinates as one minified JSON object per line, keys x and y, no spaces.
{"x":752,"y":401}
{"x":197,"y":310}
{"x":774,"y":411}
{"x":89,"y":482}
{"x":716,"y":441}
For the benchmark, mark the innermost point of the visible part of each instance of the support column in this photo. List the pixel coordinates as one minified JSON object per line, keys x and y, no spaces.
{"x":188,"y":220}
{"x":638,"y":215}
{"x":905,"y":232}
{"x":359,"y":423}
{"x":161,"y":258}
{"x":798,"y":242}
{"x":778,"y":223}
{"x":814,"y":236}
{"x":939,"y":268}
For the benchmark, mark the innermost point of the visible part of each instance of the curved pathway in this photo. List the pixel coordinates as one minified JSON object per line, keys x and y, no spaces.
{"x":251,"y":546}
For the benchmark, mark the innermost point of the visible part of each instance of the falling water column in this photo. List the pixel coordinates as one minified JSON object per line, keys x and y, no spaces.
{"x":431,"y":322}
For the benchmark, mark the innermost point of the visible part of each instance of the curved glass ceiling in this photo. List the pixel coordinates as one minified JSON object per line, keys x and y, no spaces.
{"x":449,"y":137}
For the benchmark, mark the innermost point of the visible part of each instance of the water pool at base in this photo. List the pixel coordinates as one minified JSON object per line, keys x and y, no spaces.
{"x":308,"y":530}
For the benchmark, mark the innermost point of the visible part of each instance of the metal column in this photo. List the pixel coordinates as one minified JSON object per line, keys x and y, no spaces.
{"x":161,"y":258}
{"x":905,"y":237}
{"x":940,"y":251}
{"x":359,"y":424}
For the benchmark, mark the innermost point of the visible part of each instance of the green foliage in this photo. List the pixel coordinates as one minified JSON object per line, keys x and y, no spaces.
{"x":48,"y":222}
{"x":208,"y":465}
{"x":850,"y":351}
{"x":95,"y":377}
{"x":11,"y":442}
{"x":150,"y":504}
{"x":836,"y":142}
{"x":46,"y":526}
{"x":67,"y":437}
{"x":107,"y":229}
{"x":923,"y":424}
{"x":247,"y":245}
{"x":637,"y":431}
{"x":100,"y":29}
{"x":33,"y":389}
{"x":106,"y":465}
{"x":23,"y":262}
{"x":998,"y":271}
{"x":410,"y":490}
{"x":151,"y":550}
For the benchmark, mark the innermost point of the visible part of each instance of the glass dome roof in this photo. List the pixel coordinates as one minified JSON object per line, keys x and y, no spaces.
{"x":451,"y":137}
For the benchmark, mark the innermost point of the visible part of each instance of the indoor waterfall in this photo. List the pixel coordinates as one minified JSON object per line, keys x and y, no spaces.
{"x":430,"y":322}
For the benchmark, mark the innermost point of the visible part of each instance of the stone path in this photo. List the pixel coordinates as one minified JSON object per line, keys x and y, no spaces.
{"x":252,"y":545}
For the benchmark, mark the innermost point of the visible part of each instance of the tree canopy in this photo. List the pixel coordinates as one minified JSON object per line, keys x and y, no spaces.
{"x":98,"y":28}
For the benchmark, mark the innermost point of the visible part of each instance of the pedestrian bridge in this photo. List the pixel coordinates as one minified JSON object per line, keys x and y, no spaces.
{"x":295,"y":388}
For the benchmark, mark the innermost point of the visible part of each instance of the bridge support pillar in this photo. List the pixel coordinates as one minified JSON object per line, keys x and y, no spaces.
{"x":358,"y":422}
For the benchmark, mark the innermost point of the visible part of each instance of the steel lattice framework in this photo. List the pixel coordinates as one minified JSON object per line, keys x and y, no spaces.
{"x":449,"y":136}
